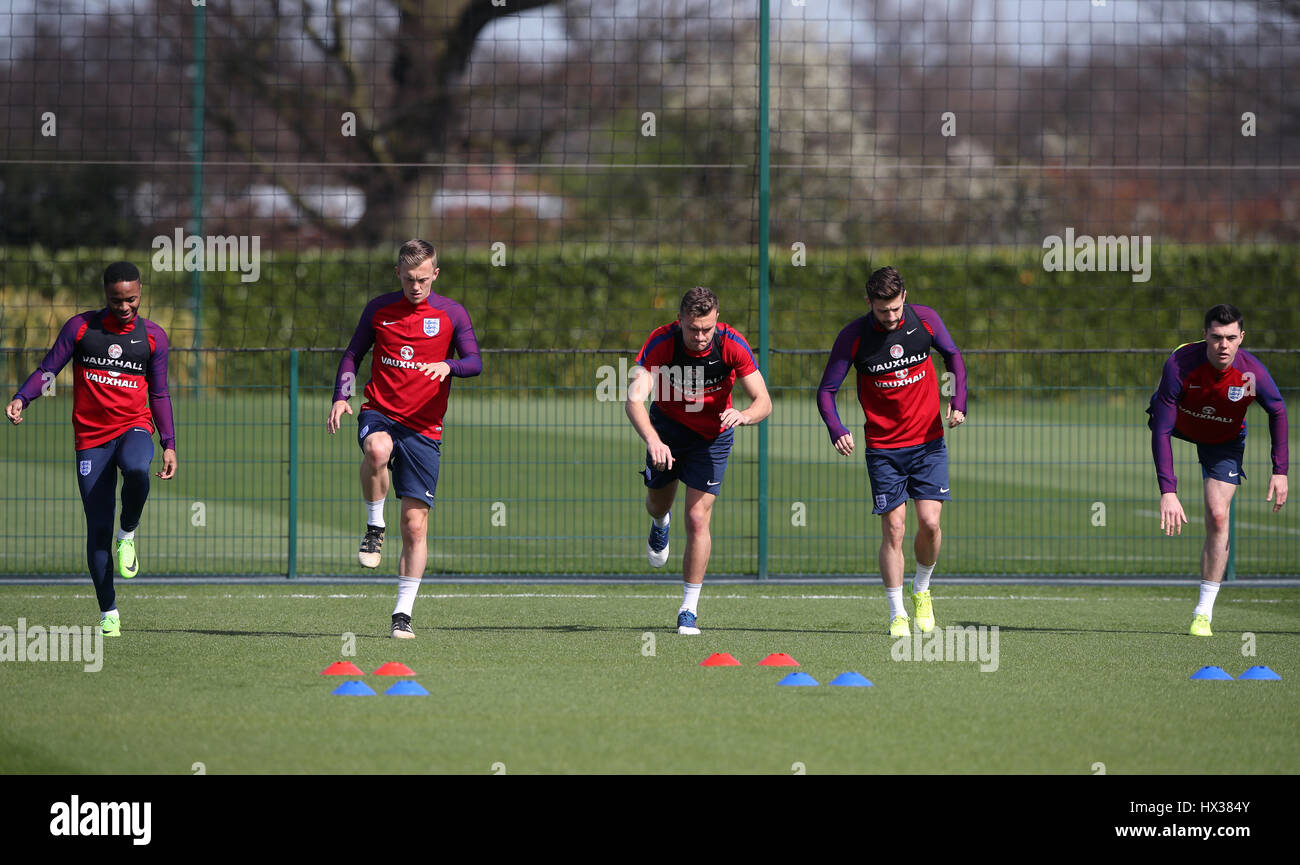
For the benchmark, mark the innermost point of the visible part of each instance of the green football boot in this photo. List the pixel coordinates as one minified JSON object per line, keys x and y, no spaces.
{"x":127,"y":564}
{"x":898,"y":627}
{"x":1201,"y":627}
{"x":924,"y":608}
{"x":111,"y":625}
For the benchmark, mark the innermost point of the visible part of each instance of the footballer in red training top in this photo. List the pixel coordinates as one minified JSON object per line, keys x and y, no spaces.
{"x":119,"y":393}
{"x":414,"y":333}
{"x":692,"y":365}
{"x":906,"y":455}
{"x":1204,"y":392}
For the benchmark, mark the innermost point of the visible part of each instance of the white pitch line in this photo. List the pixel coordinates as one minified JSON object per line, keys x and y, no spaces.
{"x":727,"y":597}
{"x":1112,"y":558}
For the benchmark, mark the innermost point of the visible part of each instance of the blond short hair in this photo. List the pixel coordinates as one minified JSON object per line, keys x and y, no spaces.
{"x":415,"y":252}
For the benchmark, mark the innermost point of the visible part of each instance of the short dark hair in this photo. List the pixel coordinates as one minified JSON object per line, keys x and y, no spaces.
{"x":1224,"y":313}
{"x":121,"y":271}
{"x":415,"y":252}
{"x":697,"y":302}
{"x":885,"y":284}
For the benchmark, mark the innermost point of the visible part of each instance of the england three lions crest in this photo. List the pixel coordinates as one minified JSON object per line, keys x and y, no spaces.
{"x":432,"y":326}
{"x":1236,"y":393}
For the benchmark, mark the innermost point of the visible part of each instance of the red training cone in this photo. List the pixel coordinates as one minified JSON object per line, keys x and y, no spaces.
{"x":394,"y":668}
{"x":719,"y":659}
{"x":342,"y":668}
{"x":778,"y":659}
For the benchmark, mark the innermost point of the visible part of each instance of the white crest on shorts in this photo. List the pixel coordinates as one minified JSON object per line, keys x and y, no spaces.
{"x":896,"y":350}
{"x":84,"y":467}
{"x":431,"y":326}
{"x":407,"y":352}
{"x":880,"y":503}
{"x":115,"y":350}
{"x":1236,"y":393}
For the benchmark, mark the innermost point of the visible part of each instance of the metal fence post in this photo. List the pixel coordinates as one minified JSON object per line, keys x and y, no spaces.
{"x":293,"y":464}
{"x":764,"y":341}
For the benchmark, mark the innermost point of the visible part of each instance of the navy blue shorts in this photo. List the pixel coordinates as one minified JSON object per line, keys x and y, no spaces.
{"x":415,"y":458}
{"x":1223,"y":461}
{"x":899,"y":474}
{"x":698,"y":462}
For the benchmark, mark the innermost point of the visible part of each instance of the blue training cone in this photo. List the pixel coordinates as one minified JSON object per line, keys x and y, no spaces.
{"x":1260,"y":672}
{"x":851,"y":680}
{"x":797,"y":679}
{"x":406,"y":689}
{"x":1210,"y":673}
{"x":354,"y":689}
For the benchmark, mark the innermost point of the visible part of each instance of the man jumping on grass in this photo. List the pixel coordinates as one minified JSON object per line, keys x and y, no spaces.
{"x":414,"y":333}
{"x":906,"y":455}
{"x":119,"y":393}
{"x":688,"y":432}
{"x":1204,"y":392}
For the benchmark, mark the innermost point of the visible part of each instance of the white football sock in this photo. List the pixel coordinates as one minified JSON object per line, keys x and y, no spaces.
{"x":125,"y":536}
{"x":922,"y":581}
{"x":375,"y":513}
{"x":1205,"y":606}
{"x":112,"y":612}
{"x":690,"y":596}
{"x":660,"y":522}
{"x":407,"y":589}
{"x":895,"y":596}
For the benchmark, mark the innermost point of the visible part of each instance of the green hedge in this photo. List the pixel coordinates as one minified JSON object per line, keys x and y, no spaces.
{"x":576,"y":296}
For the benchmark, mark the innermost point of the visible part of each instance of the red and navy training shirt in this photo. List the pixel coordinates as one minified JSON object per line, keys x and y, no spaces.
{"x":694,"y":388}
{"x":1198,"y":403}
{"x":120,"y":377}
{"x":403,"y":337}
{"x":897,"y":387}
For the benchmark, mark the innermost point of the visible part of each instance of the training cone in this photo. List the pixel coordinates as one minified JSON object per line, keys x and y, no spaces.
{"x":778,"y":659}
{"x":354,"y":689}
{"x":393,"y":668}
{"x":342,"y":668}
{"x":1210,"y":673}
{"x":851,"y":680}
{"x":406,"y":689}
{"x":797,"y":679}
{"x":1262,"y":673}
{"x":719,"y":659}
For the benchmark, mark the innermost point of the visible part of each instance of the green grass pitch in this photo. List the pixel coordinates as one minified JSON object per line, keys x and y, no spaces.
{"x":590,"y":679}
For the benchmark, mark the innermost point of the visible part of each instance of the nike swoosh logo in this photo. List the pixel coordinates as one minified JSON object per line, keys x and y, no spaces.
{"x":386,"y":323}
{"x":136,"y":341}
{"x":912,"y":331}
{"x":1232,"y":474}
{"x":429,"y":494}
{"x":945,"y":489}
{"x":1193,"y":387}
{"x":712,"y":483}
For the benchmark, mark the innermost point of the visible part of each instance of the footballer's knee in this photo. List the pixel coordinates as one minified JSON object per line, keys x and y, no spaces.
{"x":1216,"y":520}
{"x":378,"y":448}
{"x":893,"y":527}
{"x":136,"y":474}
{"x":415,"y":526}
{"x":697,"y":519}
